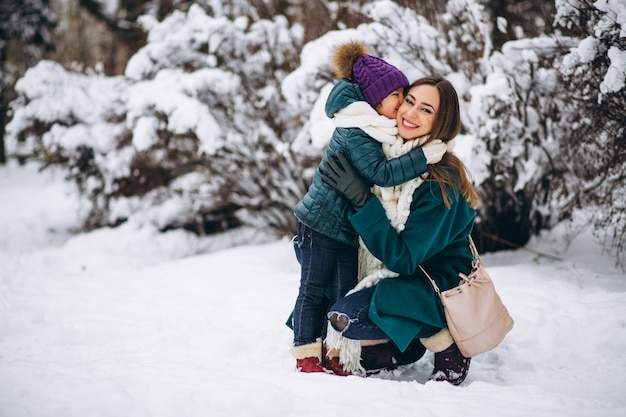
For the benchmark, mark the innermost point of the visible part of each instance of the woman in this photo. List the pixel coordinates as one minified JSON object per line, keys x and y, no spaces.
{"x":425,"y":221}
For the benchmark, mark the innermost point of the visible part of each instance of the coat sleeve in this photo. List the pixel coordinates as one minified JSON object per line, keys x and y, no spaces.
{"x":429,"y":229}
{"x":367,"y":157}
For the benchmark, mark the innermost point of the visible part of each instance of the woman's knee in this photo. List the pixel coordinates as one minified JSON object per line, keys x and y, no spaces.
{"x":338,"y":321}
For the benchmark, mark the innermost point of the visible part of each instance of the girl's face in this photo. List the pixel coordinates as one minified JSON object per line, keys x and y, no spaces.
{"x":416,"y":114}
{"x":389,"y":106}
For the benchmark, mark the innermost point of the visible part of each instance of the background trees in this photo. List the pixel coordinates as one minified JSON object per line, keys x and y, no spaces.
{"x":217,"y":119}
{"x":25,"y":38}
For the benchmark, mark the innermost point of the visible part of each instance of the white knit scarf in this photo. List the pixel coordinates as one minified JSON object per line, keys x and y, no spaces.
{"x":360,"y":114}
{"x":397,"y":204}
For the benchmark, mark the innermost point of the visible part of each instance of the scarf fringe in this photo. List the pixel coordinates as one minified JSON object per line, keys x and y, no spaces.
{"x":349,"y":350}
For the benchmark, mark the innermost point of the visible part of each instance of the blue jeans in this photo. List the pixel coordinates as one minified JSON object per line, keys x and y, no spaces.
{"x":353,"y":311}
{"x":328,"y":272}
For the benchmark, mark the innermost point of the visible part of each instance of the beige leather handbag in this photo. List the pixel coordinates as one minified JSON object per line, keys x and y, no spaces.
{"x":476,"y":316}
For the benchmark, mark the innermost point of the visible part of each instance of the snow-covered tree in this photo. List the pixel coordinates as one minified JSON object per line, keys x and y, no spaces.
{"x":218,"y":120}
{"x":594,"y":79}
{"x":549,"y":116}
{"x":25,"y":37}
{"x":517,"y":115}
{"x":187,"y":137}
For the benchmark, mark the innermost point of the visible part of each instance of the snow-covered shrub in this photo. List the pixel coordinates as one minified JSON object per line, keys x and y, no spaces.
{"x":594,"y":74}
{"x":551,"y":113}
{"x":404,"y":36}
{"x":518,"y":113}
{"x":26,"y":35}
{"x":73,"y":120}
{"x":468,"y":40}
{"x":187,"y":138}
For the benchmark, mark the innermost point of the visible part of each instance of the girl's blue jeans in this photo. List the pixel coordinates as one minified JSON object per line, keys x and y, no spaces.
{"x":328,"y":272}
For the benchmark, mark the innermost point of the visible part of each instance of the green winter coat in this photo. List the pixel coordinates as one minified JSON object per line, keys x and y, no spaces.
{"x":435,"y":237}
{"x":325,"y":210}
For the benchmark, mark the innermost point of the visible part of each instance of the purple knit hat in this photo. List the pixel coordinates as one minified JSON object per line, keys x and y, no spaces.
{"x":377,"y":78}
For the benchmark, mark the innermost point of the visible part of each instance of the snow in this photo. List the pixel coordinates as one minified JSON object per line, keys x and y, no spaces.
{"x":169,"y":94}
{"x":76,"y":98}
{"x":131,"y":322}
{"x":322,"y":126}
{"x":616,"y":12}
{"x":615,"y":78}
{"x":588,"y":48}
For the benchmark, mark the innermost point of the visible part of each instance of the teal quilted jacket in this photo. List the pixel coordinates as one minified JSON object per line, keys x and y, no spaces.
{"x":322,"y":208}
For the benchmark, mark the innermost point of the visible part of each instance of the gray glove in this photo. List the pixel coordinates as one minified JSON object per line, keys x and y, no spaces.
{"x":434,"y":151}
{"x":346,"y":180}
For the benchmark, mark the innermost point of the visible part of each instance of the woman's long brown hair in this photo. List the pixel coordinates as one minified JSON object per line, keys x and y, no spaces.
{"x":446,"y":126}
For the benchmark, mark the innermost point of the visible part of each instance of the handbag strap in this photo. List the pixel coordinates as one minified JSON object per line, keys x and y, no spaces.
{"x":432,"y":281}
{"x":475,"y":264}
{"x":473,"y":247}
{"x":476,"y":260}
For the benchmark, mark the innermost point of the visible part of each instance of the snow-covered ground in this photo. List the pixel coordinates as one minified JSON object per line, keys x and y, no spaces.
{"x":129,"y":322}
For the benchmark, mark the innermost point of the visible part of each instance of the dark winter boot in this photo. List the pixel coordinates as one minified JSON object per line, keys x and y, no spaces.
{"x":375,"y":358}
{"x":450,"y":366}
{"x":411,"y":354}
{"x":308,"y":357}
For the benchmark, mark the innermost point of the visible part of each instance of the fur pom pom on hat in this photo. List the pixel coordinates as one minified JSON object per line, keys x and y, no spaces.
{"x":376,"y":77}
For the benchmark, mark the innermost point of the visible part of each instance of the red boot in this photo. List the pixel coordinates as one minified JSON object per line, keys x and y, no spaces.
{"x":332,"y":364}
{"x":308,"y":357}
{"x":330,"y":361}
{"x":311,"y":364}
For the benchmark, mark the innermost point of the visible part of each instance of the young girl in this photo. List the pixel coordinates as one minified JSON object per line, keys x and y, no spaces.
{"x":326,"y":244}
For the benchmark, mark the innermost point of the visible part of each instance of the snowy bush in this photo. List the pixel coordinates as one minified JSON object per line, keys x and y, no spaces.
{"x":517,"y":114}
{"x":69,"y":119}
{"x":188,"y":138}
{"x":219,"y":120}
{"x":594,"y":75}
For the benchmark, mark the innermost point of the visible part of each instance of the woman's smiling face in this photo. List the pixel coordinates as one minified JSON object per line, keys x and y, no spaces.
{"x":416,"y":114}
